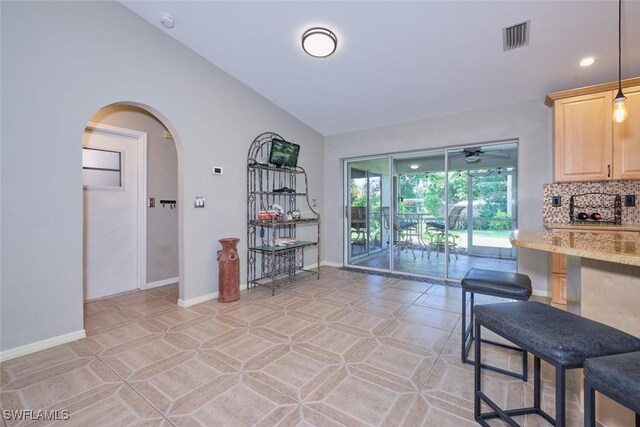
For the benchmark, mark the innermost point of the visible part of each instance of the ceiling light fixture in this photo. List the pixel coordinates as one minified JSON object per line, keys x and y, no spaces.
{"x":589,"y":60}
{"x":319,"y":42}
{"x":619,"y":110}
{"x":414,"y":166}
{"x":472,"y":158}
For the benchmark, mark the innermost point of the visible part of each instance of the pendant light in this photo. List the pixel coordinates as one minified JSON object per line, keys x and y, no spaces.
{"x":619,"y":110}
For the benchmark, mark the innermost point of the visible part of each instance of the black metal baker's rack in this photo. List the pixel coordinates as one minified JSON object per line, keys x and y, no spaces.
{"x":609,"y":206}
{"x":268,"y":263}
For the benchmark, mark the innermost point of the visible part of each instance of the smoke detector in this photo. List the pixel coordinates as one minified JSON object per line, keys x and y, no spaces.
{"x":167,"y":21}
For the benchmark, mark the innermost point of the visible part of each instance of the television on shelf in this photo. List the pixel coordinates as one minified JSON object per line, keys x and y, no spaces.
{"x":284,"y":153}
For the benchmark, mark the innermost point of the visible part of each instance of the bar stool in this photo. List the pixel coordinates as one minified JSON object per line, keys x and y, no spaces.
{"x":499,"y":284}
{"x":617,"y":377}
{"x":561,"y":339}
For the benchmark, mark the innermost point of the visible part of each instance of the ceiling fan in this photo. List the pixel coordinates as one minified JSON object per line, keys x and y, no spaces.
{"x":475,"y":154}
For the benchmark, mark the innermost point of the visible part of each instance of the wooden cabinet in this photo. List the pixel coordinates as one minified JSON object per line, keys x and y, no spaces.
{"x":558,"y":278}
{"x":626,"y":139}
{"x":588,"y":144}
{"x":583,"y":137}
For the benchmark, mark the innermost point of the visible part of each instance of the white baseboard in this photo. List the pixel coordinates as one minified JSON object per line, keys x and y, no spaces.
{"x":332,"y":264}
{"x":23,"y":350}
{"x":158,"y":283}
{"x":322,"y":263}
{"x":203,"y":298}
{"x":544,"y":294}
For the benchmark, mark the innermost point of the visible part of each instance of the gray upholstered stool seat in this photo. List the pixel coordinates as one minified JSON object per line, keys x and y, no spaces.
{"x":617,"y":377}
{"x":562,"y":339}
{"x":498,"y":284}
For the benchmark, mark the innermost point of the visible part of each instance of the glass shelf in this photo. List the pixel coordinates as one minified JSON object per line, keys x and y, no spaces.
{"x":276,"y":222}
{"x":262,"y":166}
{"x":279,"y":193}
{"x":269,"y":248}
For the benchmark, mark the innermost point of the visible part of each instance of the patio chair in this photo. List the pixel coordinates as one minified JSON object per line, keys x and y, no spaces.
{"x":438,"y":238}
{"x":402,"y":229}
{"x":358,"y":224}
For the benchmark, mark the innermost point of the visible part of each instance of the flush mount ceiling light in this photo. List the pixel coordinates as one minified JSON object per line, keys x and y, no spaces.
{"x":619,"y":111}
{"x":319,"y":42}
{"x":414,"y":166}
{"x":589,"y":60}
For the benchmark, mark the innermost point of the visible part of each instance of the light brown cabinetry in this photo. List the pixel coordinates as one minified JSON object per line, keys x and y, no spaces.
{"x":588,"y":144}
{"x":626,"y":139}
{"x":558,"y":278}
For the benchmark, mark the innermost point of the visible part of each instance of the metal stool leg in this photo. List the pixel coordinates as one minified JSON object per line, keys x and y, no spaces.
{"x":589,"y":405}
{"x":560,"y":397}
{"x":468,"y":339}
{"x":464,"y":334}
{"x":477,"y":374}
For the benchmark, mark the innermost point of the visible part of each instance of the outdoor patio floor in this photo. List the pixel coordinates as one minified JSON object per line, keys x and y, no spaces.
{"x":433,"y":265}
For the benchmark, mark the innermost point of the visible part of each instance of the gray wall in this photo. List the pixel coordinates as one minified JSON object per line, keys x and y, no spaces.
{"x":162,"y":184}
{"x":61,"y":63}
{"x":530,"y":122}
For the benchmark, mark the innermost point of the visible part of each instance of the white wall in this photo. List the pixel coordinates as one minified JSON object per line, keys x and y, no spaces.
{"x":529,"y":122}
{"x":62,"y":62}
{"x":162,"y":184}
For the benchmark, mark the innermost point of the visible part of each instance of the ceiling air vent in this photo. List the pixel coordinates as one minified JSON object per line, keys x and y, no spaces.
{"x":516,"y":36}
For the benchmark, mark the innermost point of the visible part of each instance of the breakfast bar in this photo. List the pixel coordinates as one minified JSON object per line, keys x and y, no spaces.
{"x":603,"y":279}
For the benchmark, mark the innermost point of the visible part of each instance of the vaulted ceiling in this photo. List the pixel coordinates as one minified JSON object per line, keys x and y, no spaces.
{"x":402,"y":61}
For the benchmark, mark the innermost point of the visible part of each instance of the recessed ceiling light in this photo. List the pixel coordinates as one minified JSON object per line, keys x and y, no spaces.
{"x":589,"y":60}
{"x":319,"y":42}
{"x":414,"y":166}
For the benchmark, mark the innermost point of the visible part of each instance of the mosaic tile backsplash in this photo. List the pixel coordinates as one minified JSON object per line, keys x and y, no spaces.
{"x":560,"y":215}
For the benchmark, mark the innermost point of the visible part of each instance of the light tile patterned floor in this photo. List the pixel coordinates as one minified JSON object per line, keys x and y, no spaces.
{"x":349,"y":349}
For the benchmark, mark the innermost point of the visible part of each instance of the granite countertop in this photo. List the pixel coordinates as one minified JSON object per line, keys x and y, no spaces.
{"x":619,"y":246}
{"x":592,"y":226}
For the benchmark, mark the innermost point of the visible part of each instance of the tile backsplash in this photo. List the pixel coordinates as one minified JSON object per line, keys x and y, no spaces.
{"x":560,"y":214}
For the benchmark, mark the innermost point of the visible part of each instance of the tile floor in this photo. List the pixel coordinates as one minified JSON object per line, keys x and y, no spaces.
{"x":349,"y":349}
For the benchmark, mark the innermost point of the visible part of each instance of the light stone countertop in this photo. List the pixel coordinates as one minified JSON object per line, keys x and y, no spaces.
{"x":617,"y":246}
{"x":592,"y":226}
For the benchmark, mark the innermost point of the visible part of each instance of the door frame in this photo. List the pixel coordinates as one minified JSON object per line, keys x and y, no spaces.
{"x":141,"y":197}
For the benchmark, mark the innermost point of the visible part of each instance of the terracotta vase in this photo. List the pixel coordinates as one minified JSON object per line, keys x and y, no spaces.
{"x":228,"y":271}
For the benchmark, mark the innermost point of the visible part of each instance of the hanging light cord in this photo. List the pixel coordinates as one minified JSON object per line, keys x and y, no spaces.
{"x":620,"y":46}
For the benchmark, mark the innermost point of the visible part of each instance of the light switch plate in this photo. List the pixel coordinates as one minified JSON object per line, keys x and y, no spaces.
{"x":152,"y":202}
{"x":556,"y":201}
{"x":198,"y":202}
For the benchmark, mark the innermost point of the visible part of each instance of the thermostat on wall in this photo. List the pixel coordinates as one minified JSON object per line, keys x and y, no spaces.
{"x":217,"y":170}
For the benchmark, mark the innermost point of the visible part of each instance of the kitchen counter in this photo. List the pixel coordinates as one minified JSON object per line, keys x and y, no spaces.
{"x":617,"y":246}
{"x":592,"y":226}
{"x":603,"y":284}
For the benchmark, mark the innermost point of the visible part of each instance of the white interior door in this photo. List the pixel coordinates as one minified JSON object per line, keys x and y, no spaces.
{"x":113,"y":224}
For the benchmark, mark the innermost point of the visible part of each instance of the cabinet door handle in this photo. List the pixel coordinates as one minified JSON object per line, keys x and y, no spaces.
{"x":608,"y":171}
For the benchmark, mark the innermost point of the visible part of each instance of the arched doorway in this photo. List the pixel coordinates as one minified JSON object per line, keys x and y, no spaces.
{"x":143,"y":230}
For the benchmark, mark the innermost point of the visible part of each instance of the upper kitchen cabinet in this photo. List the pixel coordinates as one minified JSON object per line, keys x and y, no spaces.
{"x":583,"y":137}
{"x":588,"y":144}
{"x":626,"y":139}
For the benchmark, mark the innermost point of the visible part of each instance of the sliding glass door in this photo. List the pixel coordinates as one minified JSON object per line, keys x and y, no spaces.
{"x":419,"y":212}
{"x":435,"y":213}
{"x":368,"y":193}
